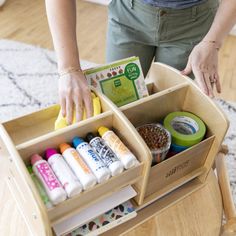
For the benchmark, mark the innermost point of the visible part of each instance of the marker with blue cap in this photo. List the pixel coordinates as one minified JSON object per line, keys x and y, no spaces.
{"x":92,"y":159}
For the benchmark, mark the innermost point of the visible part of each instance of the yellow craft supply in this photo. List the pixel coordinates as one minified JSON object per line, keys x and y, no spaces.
{"x":61,"y":121}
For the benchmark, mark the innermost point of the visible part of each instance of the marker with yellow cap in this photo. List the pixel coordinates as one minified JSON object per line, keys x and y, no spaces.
{"x":113,"y":141}
{"x":79,"y":167}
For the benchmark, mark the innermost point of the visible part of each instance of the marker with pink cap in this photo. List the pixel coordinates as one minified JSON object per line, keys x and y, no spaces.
{"x":45,"y":174}
{"x":63,"y":172}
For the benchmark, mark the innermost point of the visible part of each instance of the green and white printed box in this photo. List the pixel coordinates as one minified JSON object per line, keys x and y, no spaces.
{"x":121,"y":81}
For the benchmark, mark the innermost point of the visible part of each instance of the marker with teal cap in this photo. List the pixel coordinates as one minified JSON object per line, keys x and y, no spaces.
{"x":92,"y":159}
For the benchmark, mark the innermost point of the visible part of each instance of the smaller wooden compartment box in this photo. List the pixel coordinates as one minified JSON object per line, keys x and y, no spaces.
{"x":170,"y":91}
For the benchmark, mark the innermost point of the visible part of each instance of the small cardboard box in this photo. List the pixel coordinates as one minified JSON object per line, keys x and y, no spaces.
{"x":121,"y":81}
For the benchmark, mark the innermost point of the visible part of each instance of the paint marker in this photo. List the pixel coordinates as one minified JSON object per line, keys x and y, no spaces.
{"x":113,"y":141}
{"x":92,"y":159}
{"x":40,"y":188}
{"x":51,"y":184}
{"x":78,"y":165}
{"x":63,"y":172}
{"x":106,"y":154}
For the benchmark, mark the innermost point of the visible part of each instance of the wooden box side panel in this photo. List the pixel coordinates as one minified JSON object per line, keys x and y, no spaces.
{"x":23,"y":190}
{"x":164,"y":77}
{"x":33,"y":125}
{"x":156,"y":108}
{"x":178,"y":166}
{"x":135,"y":143}
{"x":216,"y":121}
{"x":54,"y":139}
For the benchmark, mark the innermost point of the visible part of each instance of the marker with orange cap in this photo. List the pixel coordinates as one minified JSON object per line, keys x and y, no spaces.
{"x":51,"y":184}
{"x":79,"y":167}
{"x":113,"y":141}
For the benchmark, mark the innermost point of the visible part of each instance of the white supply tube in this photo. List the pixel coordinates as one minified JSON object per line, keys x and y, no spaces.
{"x":63,"y":172}
{"x":78,"y":165}
{"x":51,"y":184}
{"x":113,"y":141}
{"x":106,"y":154}
{"x":98,"y":168}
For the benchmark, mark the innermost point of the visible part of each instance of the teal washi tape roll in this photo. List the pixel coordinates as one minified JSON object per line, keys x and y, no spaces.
{"x":186,"y":128}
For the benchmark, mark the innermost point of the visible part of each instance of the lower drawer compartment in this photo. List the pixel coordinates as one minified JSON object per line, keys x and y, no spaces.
{"x":89,"y":197}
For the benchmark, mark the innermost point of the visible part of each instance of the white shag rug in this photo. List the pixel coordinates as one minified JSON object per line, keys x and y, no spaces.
{"x":28,"y":82}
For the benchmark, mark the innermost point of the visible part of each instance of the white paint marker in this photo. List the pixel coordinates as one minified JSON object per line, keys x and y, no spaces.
{"x":106,"y":154}
{"x":113,"y":141}
{"x":78,"y":165}
{"x":63,"y":172}
{"x":92,"y":159}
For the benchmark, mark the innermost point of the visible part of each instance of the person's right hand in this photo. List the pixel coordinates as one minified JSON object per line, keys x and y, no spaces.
{"x":74,"y":93}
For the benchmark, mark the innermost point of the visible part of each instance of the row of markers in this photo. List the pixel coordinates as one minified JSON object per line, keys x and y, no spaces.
{"x":80,"y":168}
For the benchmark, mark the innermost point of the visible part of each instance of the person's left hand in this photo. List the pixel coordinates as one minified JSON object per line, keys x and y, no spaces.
{"x":203,"y":62}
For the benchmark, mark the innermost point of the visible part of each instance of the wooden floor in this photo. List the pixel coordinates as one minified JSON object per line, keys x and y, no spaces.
{"x":26,"y":21}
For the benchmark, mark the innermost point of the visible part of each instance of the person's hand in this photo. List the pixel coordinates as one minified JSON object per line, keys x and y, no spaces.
{"x":74,"y":93}
{"x":203,"y":62}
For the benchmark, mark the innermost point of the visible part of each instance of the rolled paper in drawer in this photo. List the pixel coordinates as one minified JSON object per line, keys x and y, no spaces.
{"x":63,"y":172}
{"x":186,"y":128}
{"x":113,"y":141}
{"x":78,"y":165}
{"x":45,"y":174}
{"x":40,"y":188}
{"x":106,"y":154}
{"x":92,"y":159}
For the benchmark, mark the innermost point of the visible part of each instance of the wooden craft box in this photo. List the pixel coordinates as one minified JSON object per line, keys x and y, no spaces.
{"x":170,"y":91}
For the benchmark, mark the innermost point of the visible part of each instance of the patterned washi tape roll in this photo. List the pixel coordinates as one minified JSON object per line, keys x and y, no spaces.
{"x":186,"y":128}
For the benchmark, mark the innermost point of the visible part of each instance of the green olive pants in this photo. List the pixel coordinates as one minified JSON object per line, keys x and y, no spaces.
{"x":160,"y":34}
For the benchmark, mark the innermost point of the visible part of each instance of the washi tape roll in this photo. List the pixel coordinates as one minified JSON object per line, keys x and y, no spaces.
{"x":186,"y":128}
{"x":177,"y":148}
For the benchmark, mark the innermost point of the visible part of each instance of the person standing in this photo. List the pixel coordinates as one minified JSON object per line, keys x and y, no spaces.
{"x":185,"y":34}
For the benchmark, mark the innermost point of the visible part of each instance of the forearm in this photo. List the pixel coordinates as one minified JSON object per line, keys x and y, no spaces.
{"x":224,"y":20}
{"x":62,"y":22}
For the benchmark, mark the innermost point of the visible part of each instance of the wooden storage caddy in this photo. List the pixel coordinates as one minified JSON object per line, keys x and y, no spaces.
{"x":170,"y":91}
{"x":22,"y":137}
